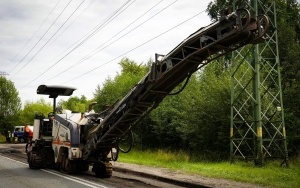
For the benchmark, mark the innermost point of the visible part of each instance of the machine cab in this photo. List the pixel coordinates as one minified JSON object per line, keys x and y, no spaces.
{"x":43,"y":125}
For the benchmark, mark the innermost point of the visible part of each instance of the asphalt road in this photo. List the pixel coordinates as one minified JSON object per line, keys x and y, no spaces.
{"x":15,"y":174}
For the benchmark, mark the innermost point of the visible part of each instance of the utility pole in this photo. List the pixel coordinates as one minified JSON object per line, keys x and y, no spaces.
{"x":257,"y":128}
{"x":3,"y":74}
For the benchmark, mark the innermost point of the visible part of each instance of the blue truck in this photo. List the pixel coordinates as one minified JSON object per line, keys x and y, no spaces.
{"x":18,"y":133}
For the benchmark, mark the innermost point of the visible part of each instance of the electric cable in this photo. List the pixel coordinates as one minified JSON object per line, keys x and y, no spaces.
{"x":140,"y":45}
{"x":32,"y":37}
{"x":41,"y":39}
{"x":72,"y":22}
{"x":55,"y":32}
{"x":92,"y":33}
{"x":98,"y":50}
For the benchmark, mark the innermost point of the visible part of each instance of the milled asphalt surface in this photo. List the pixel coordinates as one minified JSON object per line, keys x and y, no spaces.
{"x":161,"y":174}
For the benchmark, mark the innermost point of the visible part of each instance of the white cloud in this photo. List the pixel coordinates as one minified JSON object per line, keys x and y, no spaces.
{"x":20,"y":19}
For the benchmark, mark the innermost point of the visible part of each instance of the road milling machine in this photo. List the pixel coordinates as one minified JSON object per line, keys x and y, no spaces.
{"x":75,"y":141}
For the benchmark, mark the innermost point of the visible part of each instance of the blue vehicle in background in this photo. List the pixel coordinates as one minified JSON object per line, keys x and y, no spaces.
{"x":19,"y":133}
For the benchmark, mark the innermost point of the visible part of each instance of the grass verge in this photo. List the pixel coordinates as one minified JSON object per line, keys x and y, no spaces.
{"x":270,"y":175}
{"x":2,"y":138}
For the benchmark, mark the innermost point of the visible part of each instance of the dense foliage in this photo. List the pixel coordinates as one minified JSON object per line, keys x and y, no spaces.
{"x":195,"y":120}
{"x":115,"y":89}
{"x":10,"y":105}
{"x":289,"y":48}
{"x":75,"y":104}
{"x":40,"y":107}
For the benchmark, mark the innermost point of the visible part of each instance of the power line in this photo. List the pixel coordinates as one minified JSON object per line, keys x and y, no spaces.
{"x":92,"y":33}
{"x":100,"y":26}
{"x":136,"y":47}
{"x":55,"y":32}
{"x":73,"y":21}
{"x":32,"y":37}
{"x":41,"y":39}
{"x":98,"y":49}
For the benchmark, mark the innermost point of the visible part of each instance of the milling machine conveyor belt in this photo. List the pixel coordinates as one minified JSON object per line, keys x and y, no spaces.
{"x":229,"y":33}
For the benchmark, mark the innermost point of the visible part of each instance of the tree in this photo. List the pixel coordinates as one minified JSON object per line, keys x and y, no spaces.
{"x":10,"y":105}
{"x":165,"y":127}
{"x":197,"y":119}
{"x":289,"y":48}
{"x":218,"y":8}
{"x":115,"y":89}
{"x":76,"y":104}
{"x":40,"y":106}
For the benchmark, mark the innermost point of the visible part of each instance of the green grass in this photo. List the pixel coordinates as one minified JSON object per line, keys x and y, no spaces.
{"x":271,"y":174}
{"x":2,"y":138}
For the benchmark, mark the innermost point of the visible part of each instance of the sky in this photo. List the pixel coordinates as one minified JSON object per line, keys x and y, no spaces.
{"x":79,"y":43}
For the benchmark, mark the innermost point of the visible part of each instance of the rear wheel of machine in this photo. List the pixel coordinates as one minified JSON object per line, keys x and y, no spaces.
{"x":29,"y":158}
{"x":34,"y":161}
{"x":48,"y":157}
{"x":103,"y":170}
{"x":82,"y":167}
{"x":31,"y":166}
{"x":64,"y":163}
{"x":67,"y":166}
{"x":58,"y":166}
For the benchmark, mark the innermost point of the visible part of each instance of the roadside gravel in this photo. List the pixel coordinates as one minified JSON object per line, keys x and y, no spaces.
{"x":179,"y":178}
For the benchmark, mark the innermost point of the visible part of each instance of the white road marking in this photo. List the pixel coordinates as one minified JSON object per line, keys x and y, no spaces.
{"x":78,"y":180}
{"x":65,"y":176}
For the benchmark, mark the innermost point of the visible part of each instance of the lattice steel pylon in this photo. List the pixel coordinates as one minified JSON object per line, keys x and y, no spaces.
{"x":257,"y":129}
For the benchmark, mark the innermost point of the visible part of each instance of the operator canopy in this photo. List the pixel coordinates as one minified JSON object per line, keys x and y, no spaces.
{"x":55,"y":91}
